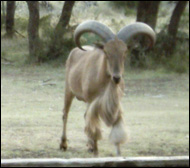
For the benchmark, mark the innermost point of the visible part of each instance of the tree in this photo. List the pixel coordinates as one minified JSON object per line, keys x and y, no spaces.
{"x":65,"y":16}
{"x":33,"y":31}
{"x":169,"y":44}
{"x":175,"y":19}
{"x":11,"y":5}
{"x":3,"y":16}
{"x":147,"y":12}
{"x":46,"y":5}
{"x":57,"y":39}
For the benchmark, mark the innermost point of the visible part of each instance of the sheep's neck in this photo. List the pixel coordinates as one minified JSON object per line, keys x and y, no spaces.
{"x":110,"y":96}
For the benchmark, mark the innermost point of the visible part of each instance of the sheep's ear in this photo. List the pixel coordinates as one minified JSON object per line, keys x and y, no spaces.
{"x":99,"y":45}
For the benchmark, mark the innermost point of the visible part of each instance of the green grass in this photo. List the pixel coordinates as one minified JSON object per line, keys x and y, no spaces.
{"x":156,"y":106}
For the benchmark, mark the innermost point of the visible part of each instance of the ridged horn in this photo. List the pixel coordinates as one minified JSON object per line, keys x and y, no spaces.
{"x":95,"y":27}
{"x":138,"y":28}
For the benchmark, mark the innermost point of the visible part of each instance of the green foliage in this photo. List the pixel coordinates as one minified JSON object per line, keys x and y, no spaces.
{"x":124,"y":4}
{"x":3,"y":54}
{"x":90,"y":39}
{"x":55,"y":47}
{"x":162,"y":56}
{"x":60,"y":44}
{"x":128,"y":6}
{"x":114,"y":15}
{"x":184,"y":22}
{"x":21,"y":24}
{"x":179,"y":61}
{"x":45,"y":21}
{"x":2,"y":21}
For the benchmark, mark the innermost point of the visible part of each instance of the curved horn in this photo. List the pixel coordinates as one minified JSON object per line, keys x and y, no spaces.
{"x":132,"y":30}
{"x":95,"y":27}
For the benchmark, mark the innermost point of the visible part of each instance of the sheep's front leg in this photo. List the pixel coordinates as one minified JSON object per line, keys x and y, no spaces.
{"x":118,"y":134}
{"x":92,"y":128}
{"x":92,"y":146}
{"x":67,"y":104}
{"x":118,"y":150}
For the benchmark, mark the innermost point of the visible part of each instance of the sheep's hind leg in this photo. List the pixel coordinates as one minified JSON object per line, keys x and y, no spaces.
{"x":92,"y":128}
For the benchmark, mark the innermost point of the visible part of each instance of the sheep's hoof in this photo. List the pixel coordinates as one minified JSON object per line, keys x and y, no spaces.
{"x":63,"y":145}
{"x":93,"y":151}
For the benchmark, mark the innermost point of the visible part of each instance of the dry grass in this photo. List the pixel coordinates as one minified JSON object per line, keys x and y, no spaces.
{"x":156,"y":109}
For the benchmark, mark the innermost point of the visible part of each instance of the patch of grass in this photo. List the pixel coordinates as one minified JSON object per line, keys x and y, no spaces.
{"x":156,"y":111}
{"x":15,"y":50}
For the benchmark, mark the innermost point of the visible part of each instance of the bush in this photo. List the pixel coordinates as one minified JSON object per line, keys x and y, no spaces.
{"x":90,"y":39}
{"x":129,"y":7}
{"x":2,"y":21}
{"x":56,"y":47}
{"x":161,"y":55}
{"x":179,"y":61}
{"x":124,"y":4}
{"x":45,"y":21}
{"x":21,"y":24}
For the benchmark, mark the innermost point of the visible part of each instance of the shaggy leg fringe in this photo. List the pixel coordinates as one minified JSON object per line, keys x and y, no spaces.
{"x":118,"y":133}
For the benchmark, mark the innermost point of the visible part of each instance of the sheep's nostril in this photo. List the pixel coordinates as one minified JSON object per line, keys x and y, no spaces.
{"x":116,"y":79}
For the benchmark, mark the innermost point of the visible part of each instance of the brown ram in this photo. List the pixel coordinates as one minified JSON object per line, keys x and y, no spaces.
{"x":94,"y":75}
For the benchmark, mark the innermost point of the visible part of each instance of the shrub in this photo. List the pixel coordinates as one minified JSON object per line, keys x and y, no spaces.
{"x":124,"y":4}
{"x":56,"y":48}
{"x":2,"y":21}
{"x":160,"y":56}
{"x":21,"y":24}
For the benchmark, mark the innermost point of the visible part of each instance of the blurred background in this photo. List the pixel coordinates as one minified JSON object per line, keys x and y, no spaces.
{"x":36,"y":38}
{"x":51,"y":24}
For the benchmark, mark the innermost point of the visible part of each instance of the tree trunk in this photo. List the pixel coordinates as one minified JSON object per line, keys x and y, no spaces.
{"x":33,"y":31}
{"x":57,"y":41}
{"x":3,"y":12}
{"x":170,"y":44}
{"x":175,"y":19}
{"x":65,"y":15}
{"x":11,"y":5}
{"x":147,"y":12}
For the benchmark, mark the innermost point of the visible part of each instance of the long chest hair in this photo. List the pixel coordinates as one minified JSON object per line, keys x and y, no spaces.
{"x":109,"y":104}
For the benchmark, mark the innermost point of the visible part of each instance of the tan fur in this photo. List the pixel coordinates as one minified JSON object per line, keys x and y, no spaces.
{"x":90,"y":78}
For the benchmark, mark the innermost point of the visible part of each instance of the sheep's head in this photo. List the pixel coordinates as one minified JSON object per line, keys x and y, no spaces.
{"x":114,"y":46}
{"x":115,"y":52}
